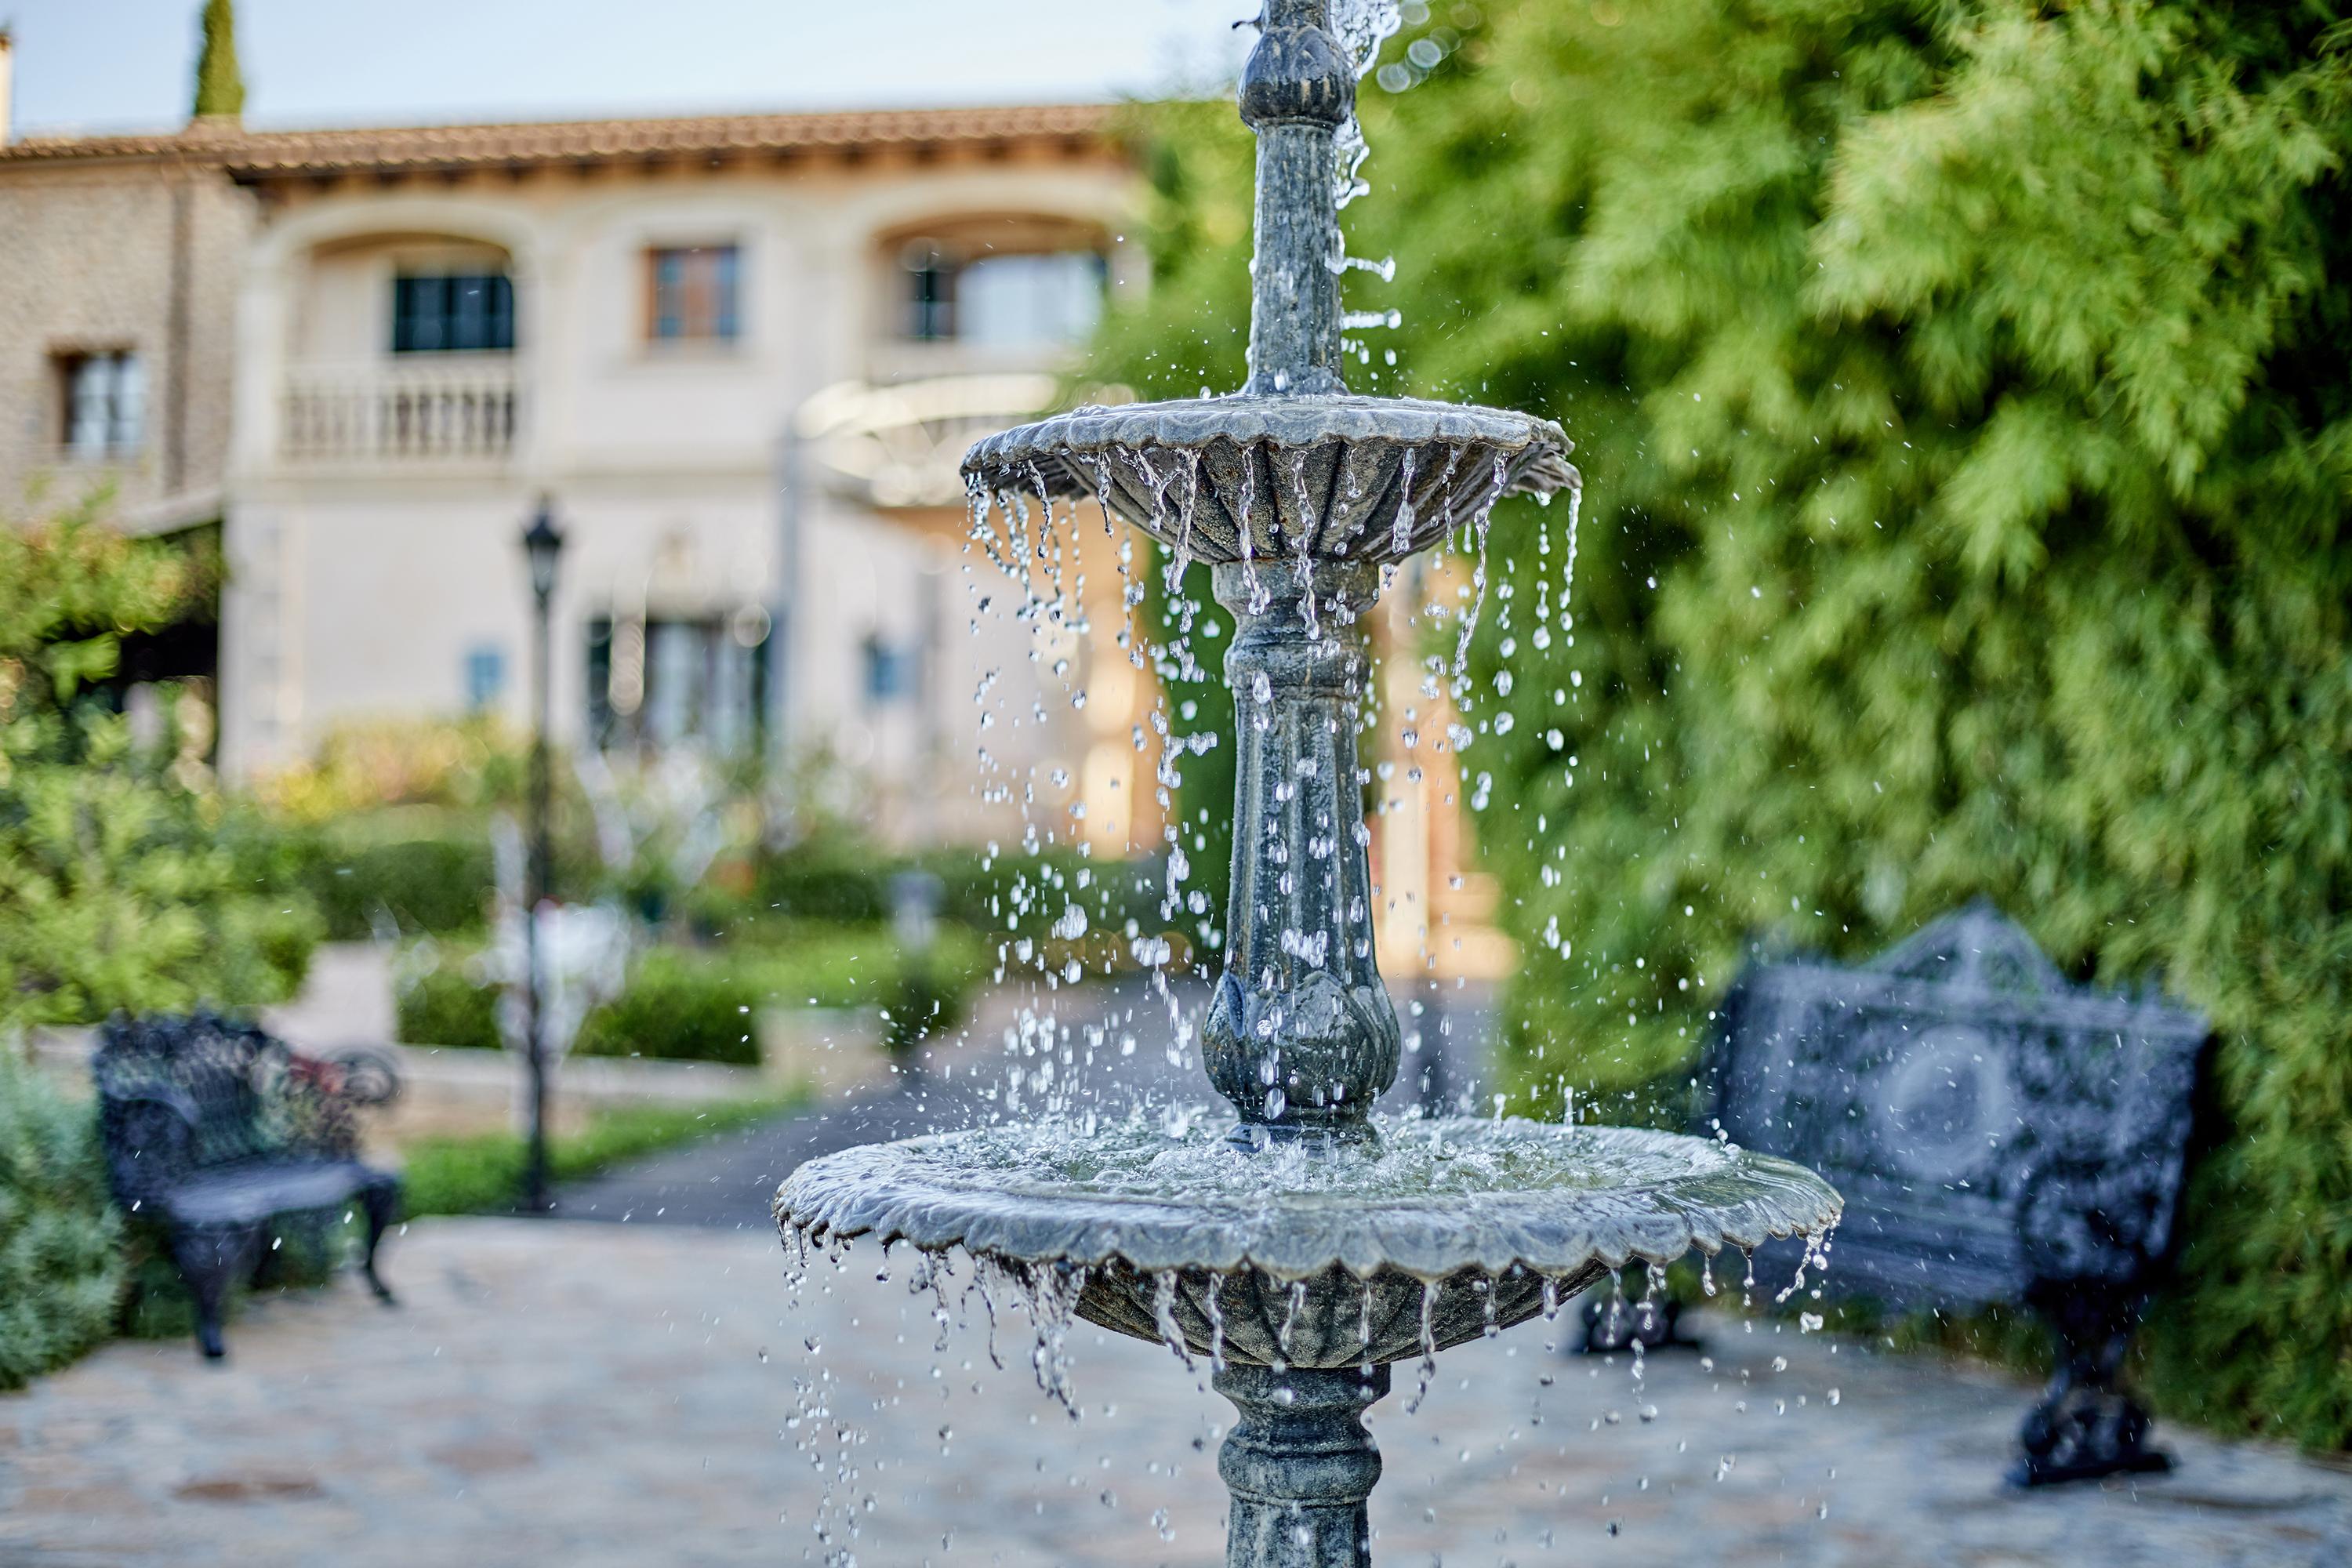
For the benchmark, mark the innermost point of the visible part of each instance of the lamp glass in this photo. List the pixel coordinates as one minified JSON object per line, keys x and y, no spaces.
{"x":541,"y":545}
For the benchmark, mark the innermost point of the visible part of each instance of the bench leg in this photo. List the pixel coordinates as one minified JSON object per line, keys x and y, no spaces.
{"x":210,"y":1261}
{"x":382,"y":1205}
{"x":2085,"y":1426}
{"x":1614,"y":1324}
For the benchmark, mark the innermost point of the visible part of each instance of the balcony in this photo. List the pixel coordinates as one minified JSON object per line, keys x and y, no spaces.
{"x":897,"y":447}
{"x":448,"y":411}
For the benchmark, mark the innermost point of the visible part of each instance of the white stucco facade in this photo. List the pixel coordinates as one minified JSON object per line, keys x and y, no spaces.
{"x":373,"y":506}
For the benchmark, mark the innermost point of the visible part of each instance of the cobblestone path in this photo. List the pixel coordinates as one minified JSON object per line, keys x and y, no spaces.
{"x":598,"y":1395}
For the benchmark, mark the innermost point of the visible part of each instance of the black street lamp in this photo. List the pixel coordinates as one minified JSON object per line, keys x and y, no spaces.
{"x":542,"y":545}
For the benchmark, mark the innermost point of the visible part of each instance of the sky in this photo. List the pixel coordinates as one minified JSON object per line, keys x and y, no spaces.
{"x":113,"y":65}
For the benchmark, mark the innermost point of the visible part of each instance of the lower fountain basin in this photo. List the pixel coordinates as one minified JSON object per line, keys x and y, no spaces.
{"x":1439,"y":1232}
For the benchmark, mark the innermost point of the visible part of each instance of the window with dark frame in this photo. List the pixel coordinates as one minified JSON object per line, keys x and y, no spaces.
{"x":1020,"y":298}
{"x":930,"y":292}
{"x":452,"y":312}
{"x":692,"y":293}
{"x":104,"y":396}
{"x":662,"y":681}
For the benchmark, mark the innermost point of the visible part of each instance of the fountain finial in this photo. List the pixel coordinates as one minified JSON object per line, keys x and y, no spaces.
{"x":1298,"y":89}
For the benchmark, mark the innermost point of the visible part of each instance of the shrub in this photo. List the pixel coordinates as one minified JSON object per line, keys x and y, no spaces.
{"x":61,"y":1257}
{"x":679,"y":1007}
{"x":445,"y":1006}
{"x":125,"y":875}
{"x":701,"y":1006}
{"x":991,"y":891}
{"x":682,"y":1005}
{"x":365,"y":765}
{"x":830,"y":880}
{"x":431,"y":873}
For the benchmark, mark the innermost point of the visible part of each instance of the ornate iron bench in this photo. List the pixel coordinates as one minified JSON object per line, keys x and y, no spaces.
{"x":213,"y":1131}
{"x":2000,"y":1135}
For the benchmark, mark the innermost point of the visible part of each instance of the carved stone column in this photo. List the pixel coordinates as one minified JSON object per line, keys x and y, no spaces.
{"x":1298,"y":89}
{"x":1299,"y":1465}
{"x":1301,"y":1036}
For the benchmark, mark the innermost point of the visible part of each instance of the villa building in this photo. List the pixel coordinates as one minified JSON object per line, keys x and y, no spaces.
{"x":740,"y":355}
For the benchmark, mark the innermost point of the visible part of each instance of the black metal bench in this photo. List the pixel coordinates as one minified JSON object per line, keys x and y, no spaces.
{"x":2000,"y":1135}
{"x":214,"y":1133}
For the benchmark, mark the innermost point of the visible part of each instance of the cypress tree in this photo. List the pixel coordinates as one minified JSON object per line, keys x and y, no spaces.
{"x":220,"y":86}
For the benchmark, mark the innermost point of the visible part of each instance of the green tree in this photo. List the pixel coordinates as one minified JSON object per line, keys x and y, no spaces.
{"x":220,"y":85}
{"x":1959,"y":389}
{"x":125,"y":877}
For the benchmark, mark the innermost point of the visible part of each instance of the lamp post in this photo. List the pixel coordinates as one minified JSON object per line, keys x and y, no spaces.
{"x":542,"y":545}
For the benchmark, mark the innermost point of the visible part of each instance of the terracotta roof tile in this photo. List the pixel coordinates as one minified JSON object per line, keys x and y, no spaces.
{"x":264,"y":154}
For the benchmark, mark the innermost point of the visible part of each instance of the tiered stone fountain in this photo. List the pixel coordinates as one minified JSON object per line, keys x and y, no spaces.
{"x":1310,"y":1247}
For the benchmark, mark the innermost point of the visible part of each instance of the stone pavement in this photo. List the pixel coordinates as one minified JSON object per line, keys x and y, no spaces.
{"x":603,"y":1394}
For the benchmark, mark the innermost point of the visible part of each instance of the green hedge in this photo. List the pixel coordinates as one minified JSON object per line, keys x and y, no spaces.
{"x":703,"y":1006}
{"x":679,"y":1007}
{"x":847,"y":883}
{"x":435,"y":885}
{"x":843,"y":883}
{"x":429,"y":869}
{"x":61,"y":1254}
{"x":446,"y":1006}
{"x":688,"y":1005}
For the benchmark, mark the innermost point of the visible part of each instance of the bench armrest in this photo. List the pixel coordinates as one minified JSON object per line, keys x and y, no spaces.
{"x":150,"y":1138}
{"x":318,"y":1114}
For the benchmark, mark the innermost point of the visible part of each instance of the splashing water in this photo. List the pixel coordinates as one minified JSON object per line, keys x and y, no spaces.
{"x":1401,"y":535}
{"x":1362,"y":27}
{"x":1428,"y":1367}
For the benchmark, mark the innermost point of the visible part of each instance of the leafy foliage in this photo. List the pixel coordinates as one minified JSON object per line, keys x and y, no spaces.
{"x":475,"y":763}
{"x":61,"y":1264}
{"x":1190,"y":334}
{"x":1960,"y":393}
{"x":126,"y":879}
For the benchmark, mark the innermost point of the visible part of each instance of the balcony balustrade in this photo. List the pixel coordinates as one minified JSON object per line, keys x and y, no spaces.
{"x":465,"y":412}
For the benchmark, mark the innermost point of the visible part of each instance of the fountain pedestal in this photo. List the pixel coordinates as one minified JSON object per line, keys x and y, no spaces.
{"x":1299,"y":1465}
{"x":1302,"y":1037}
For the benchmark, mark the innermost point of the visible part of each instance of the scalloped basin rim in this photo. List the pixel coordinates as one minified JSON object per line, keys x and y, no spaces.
{"x":1257,"y":478}
{"x":950,"y":1190}
{"x":1288,"y":421}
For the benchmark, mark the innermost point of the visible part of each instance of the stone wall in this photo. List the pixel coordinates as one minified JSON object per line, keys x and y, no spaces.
{"x":141,"y":254}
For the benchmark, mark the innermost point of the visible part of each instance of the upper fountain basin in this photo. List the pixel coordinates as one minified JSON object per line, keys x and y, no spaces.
{"x":1334,"y":477}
